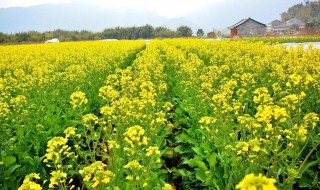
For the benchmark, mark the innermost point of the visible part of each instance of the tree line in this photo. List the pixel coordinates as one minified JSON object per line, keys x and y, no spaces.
{"x":308,"y":12}
{"x":142,"y":32}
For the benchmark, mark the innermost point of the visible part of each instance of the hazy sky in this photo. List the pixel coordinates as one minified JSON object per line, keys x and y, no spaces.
{"x":165,"y":8}
{"x":95,"y":15}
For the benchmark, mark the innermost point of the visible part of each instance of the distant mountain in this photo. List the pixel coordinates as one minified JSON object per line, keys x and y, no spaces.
{"x":78,"y":16}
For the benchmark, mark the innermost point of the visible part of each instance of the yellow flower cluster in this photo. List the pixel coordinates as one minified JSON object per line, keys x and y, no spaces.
{"x":266,"y":113}
{"x":108,"y":93}
{"x":70,"y":131}
{"x":113,"y":144}
{"x":4,"y":109}
{"x":90,"y":120}
{"x":28,"y":184}
{"x":260,"y":182}
{"x":298,"y":79}
{"x":206,"y":123}
{"x":133,"y":166}
{"x":18,"y":102}
{"x":57,"y":178}
{"x":78,"y":99}
{"x":134,"y":135}
{"x":152,"y":150}
{"x":262,"y":96}
{"x":96,"y":174}
{"x":57,"y":146}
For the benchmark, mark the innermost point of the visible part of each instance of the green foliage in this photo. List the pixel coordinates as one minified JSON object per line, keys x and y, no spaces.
{"x":200,"y":32}
{"x":132,"y":33}
{"x":184,"y":31}
{"x":309,"y":12}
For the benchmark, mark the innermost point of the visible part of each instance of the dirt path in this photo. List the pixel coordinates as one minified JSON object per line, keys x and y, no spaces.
{"x":315,"y":45}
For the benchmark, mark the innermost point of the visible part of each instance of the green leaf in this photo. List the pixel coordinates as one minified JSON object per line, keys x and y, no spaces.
{"x":213,"y":160}
{"x":178,"y":111}
{"x":29,"y":160}
{"x":184,"y":137}
{"x":318,"y":155}
{"x":10,"y":160}
{"x":199,"y":151}
{"x":316,"y":179}
{"x":307,"y":165}
{"x":11,"y":170}
{"x":200,"y":175}
{"x":183,"y":172}
{"x":196,"y":162}
{"x":182,"y":149}
{"x":305,"y":181}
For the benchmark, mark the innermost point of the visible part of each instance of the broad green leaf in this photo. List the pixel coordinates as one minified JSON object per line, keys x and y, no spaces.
{"x":199,"y":151}
{"x":11,"y":170}
{"x":308,"y":165}
{"x":213,"y":160}
{"x":10,"y":160}
{"x":305,"y":181}
{"x":195,"y":162}
{"x":184,"y":137}
{"x":183,"y":172}
{"x":182,"y":149}
{"x":29,"y":160}
{"x":200,"y":175}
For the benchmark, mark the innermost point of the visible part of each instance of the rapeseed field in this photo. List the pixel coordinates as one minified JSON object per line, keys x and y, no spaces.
{"x":175,"y":114}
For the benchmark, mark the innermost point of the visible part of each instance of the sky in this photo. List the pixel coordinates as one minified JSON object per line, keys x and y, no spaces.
{"x":164,"y":8}
{"x":206,"y":14}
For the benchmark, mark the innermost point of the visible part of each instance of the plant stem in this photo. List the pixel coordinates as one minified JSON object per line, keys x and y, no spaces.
{"x":305,"y":160}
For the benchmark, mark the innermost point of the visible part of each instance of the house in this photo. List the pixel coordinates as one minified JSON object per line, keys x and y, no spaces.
{"x":274,"y":24}
{"x":277,"y":27}
{"x":295,"y":25}
{"x":211,"y":35}
{"x":291,"y":26}
{"x":248,"y":27}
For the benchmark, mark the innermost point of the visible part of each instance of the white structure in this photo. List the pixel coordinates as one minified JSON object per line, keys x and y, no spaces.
{"x":53,"y":40}
{"x":109,"y":40}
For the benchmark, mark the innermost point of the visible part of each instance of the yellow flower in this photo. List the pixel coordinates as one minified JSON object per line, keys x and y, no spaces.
{"x":152,"y":150}
{"x":30,"y":185}
{"x":107,"y":110}
{"x":57,"y":178}
{"x":207,"y":120}
{"x":90,"y":120}
{"x":252,"y":182}
{"x":70,"y":131}
{"x":56,"y":146}
{"x":167,"y":106}
{"x":129,"y":177}
{"x":167,"y":187}
{"x":256,"y":148}
{"x":78,"y":99}
{"x":95,"y":174}
{"x":113,"y":144}
{"x":133,"y":135}
{"x":108,"y":93}
{"x":133,"y":165}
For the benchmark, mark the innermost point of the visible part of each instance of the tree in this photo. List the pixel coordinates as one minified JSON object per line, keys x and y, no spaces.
{"x":200,"y":33}
{"x":184,"y":31}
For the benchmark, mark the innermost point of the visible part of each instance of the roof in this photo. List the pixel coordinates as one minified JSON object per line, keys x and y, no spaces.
{"x":294,"y":21}
{"x":243,"y":21}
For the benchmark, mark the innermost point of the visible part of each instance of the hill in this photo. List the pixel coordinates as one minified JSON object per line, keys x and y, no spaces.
{"x":307,"y":12}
